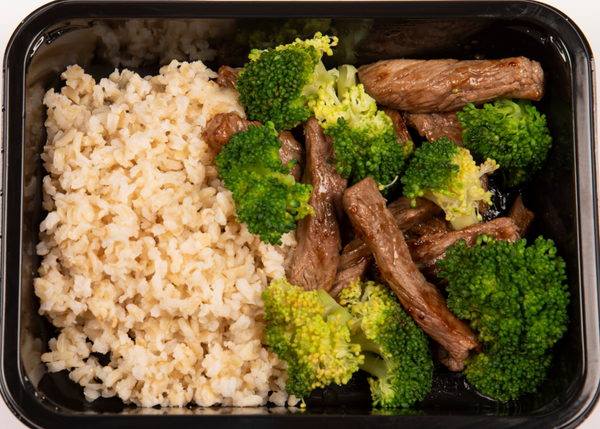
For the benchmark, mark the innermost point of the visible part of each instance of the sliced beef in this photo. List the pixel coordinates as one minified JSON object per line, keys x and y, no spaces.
{"x":436,"y":225}
{"x":376,"y":225}
{"x":399,"y":125}
{"x":427,"y":250}
{"x":315,"y":261}
{"x":434,"y":126}
{"x":219,"y":130}
{"x":357,"y":257}
{"x":354,"y":263}
{"x":291,"y":149}
{"x":228,"y":76}
{"x":223,"y":126}
{"x":447,"y":85}
{"x":522,"y":217}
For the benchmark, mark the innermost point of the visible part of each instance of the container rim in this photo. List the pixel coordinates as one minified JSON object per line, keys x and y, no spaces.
{"x":15,"y":62}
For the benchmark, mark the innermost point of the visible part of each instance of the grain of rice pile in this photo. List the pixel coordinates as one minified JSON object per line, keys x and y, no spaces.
{"x":143,"y":256}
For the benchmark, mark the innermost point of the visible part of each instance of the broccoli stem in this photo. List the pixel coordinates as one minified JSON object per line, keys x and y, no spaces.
{"x":332,"y":308}
{"x":374,"y":365}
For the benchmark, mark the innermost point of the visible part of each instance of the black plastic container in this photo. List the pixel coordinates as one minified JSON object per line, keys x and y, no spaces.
{"x":564,"y":196}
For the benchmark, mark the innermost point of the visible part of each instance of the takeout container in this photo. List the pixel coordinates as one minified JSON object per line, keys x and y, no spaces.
{"x":564,"y":195}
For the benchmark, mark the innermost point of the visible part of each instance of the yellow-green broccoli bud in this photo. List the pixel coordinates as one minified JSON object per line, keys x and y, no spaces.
{"x":309,"y":330}
{"x":447,"y":175}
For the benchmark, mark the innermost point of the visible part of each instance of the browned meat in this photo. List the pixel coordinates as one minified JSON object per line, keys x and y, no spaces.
{"x":353,"y":264}
{"x":437,"y":224}
{"x":448,"y":85}
{"x":522,"y":217}
{"x":376,"y":225}
{"x":399,"y":125}
{"x":357,"y":258}
{"x":406,"y":217}
{"x":319,"y":242}
{"x":219,"y":130}
{"x":291,"y":149}
{"x":228,"y":76}
{"x":434,"y":126}
{"x":427,"y":250}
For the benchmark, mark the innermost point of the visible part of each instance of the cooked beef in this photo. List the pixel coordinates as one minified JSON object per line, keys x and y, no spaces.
{"x":427,"y":250}
{"x":228,"y":76}
{"x":291,"y":149}
{"x":354,"y":263}
{"x":357,"y":258}
{"x":522,"y":217}
{"x":448,"y":85}
{"x":319,"y":242}
{"x":399,"y":125}
{"x":437,"y":224}
{"x":434,"y":126}
{"x":223,"y":126}
{"x":219,"y":130}
{"x":376,"y":225}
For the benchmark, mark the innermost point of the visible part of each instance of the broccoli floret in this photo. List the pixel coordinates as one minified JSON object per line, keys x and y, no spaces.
{"x":396,"y":350}
{"x":310,"y":331}
{"x":364,"y":140}
{"x":267,"y":197}
{"x":513,"y":133}
{"x":324,"y":342}
{"x":515,"y":298}
{"x":277,"y":83}
{"x":447,"y":175}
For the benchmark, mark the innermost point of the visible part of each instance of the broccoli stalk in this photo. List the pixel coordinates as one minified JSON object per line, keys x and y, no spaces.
{"x":447,"y":175}
{"x":396,"y":351}
{"x":513,"y":133}
{"x":277,"y":83}
{"x":267,"y":197}
{"x":515,"y":298}
{"x":364,"y":140}
{"x":324,"y":342}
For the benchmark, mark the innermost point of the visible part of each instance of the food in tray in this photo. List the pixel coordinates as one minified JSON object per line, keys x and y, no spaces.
{"x":247,"y":236}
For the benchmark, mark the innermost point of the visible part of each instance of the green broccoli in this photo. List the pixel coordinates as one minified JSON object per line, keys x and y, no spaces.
{"x":277,"y":83}
{"x":513,"y":133}
{"x":396,"y":350}
{"x":446,"y":174}
{"x":310,"y":331}
{"x":267,"y":197}
{"x":322,"y":341}
{"x":364,"y":140}
{"x":515,"y":298}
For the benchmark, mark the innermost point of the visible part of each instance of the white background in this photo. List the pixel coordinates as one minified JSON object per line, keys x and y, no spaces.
{"x":585,"y":13}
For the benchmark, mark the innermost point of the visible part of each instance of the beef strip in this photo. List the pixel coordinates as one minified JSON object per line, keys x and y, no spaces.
{"x":437,"y":224}
{"x":223,"y":126}
{"x":354,"y":263}
{"x":434,"y":126}
{"x":371,"y":220}
{"x":522,"y":217}
{"x":319,"y":241}
{"x":291,"y":149}
{"x":228,"y":76}
{"x":357,"y":258}
{"x":448,"y":85}
{"x":399,"y":125}
{"x":427,"y":250}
